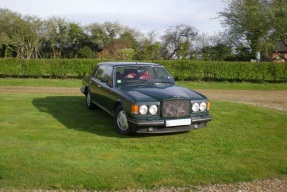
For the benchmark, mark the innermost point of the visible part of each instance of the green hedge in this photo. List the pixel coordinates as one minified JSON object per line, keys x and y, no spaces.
{"x":184,"y":70}
{"x":53,"y":68}
{"x":227,"y":71}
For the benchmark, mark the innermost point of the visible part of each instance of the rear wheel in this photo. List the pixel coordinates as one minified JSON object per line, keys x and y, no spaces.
{"x":89,"y":103}
{"x":121,"y":122}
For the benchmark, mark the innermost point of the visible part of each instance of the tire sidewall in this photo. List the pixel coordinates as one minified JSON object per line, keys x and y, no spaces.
{"x":89,"y":103}
{"x":127,"y":131}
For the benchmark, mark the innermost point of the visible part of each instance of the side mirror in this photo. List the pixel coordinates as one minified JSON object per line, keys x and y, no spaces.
{"x":104,"y":79}
{"x":110,"y":82}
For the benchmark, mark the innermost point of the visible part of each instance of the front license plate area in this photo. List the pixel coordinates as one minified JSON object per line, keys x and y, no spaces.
{"x":177,"y":122}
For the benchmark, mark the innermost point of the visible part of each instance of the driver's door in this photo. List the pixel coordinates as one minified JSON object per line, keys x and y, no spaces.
{"x":95,"y":84}
{"x":103,"y":91}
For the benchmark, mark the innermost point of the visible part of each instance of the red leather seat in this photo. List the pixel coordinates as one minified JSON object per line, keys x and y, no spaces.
{"x":130,"y":73}
{"x":145,"y":75}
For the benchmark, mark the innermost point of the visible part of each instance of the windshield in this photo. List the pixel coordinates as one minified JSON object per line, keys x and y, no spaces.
{"x":138,"y":74}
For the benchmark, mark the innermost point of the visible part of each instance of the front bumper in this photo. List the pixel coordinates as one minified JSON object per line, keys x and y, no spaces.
{"x":159,"y":126}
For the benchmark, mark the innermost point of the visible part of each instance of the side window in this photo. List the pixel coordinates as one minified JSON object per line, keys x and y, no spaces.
{"x":162,"y":74}
{"x":99,"y":72}
{"x":107,"y":74}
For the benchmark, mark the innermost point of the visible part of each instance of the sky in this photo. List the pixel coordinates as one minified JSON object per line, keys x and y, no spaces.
{"x":143,"y":15}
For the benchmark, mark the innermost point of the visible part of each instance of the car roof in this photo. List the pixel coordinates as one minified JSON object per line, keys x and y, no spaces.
{"x":129,"y":63}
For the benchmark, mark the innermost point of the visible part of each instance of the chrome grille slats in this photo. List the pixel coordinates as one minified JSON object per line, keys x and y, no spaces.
{"x":175,"y":108}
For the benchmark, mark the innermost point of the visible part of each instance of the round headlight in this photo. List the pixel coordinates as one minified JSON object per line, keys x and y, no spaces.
{"x":202,"y":106}
{"x":195,"y":107}
{"x":153,"y":109}
{"x":143,"y":109}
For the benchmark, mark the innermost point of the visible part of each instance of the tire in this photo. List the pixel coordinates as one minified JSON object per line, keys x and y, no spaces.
{"x":89,"y":103}
{"x":121,"y":122}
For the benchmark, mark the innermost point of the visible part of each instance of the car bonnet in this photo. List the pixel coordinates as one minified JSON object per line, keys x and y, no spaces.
{"x":158,"y":93}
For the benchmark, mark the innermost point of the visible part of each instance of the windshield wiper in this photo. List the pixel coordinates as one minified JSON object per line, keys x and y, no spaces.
{"x":169,"y":82}
{"x":138,"y":81}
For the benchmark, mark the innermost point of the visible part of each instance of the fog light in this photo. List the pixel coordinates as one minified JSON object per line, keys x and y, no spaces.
{"x":195,"y":126}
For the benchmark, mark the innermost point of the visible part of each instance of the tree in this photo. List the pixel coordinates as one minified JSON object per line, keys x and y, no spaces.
{"x":114,"y":51}
{"x":261,"y":24}
{"x":126,"y":54}
{"x":130,"y":35}
{"x":219,"y":52}
{"x":85,"y":52}
{"x":34,"y":34}
{"x":102,"y":35}
{"x":56,"y":37}
{"x":212,"y":47}
{"x":149,"y":51}
{"x":242,"y":53}
{"x":5,"y":39}
{"x":247,"y":20}
{"x":149,"y":48}
{"x":22,"y":34}
{"x":177,"y":41}
{"x":279,"y":23}
{"x":77,"y":39}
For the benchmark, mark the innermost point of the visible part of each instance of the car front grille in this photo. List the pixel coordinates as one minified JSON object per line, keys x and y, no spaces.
{"x":175,"y":108}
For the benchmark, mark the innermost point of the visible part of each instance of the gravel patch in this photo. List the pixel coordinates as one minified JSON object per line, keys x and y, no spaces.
{"x":272,"y":185}
{"x":270,"y":99}
{"x":268,"y":185}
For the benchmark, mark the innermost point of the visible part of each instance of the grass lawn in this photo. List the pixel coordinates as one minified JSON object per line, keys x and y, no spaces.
{"x":40,"y":82}
{"x":50,"y":141}
{"x":191,"y":85}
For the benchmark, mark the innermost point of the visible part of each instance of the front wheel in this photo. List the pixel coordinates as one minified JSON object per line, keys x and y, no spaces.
{"x":89,"y":103}
{"x":121,"y":122}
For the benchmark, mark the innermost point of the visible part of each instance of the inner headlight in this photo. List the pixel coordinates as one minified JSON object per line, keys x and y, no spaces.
{"x":153,"y":109}
{"x":195,"y":107}
{"x":143,"y":109}
{"x":202,"y":106}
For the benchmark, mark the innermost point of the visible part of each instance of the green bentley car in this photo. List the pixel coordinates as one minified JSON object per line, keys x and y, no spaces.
{"x":143,"y":98}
